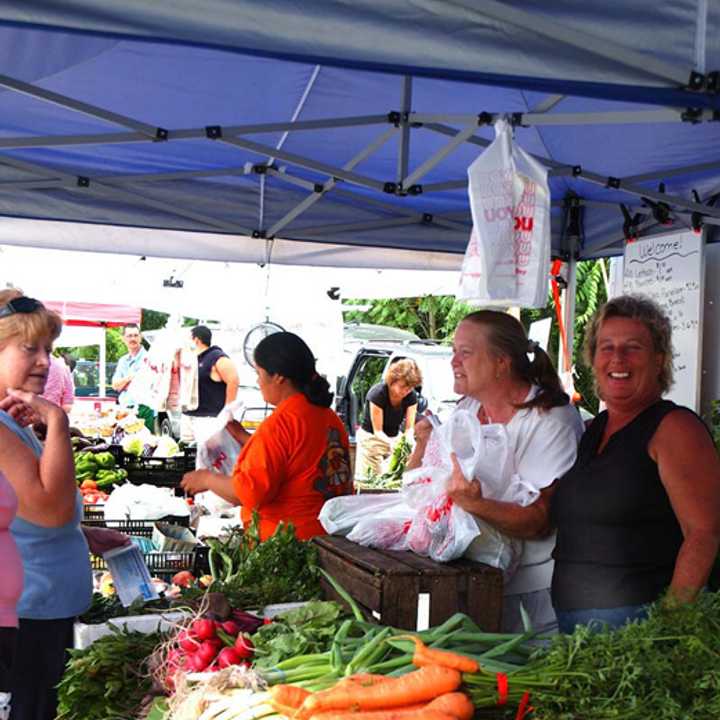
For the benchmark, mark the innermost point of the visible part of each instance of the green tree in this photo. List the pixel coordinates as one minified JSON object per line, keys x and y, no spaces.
{"x":436,"y":317}
{"x":431,"y":316}
{"x":153,"y":319}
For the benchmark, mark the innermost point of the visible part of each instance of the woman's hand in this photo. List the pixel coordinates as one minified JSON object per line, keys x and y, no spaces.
{"x":28,"y":409}
{"x":421,"y":432}
{"x":196,"y":481}
{"x":101,"y":540}
{"x":459,"y":490}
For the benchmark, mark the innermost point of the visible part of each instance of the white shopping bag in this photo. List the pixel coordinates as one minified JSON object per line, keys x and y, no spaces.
{"x":508,"y":256}
{"x":219,"y":453}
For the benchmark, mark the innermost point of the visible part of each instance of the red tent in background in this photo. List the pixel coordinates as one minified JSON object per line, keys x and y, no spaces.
{"x":94,"y":315}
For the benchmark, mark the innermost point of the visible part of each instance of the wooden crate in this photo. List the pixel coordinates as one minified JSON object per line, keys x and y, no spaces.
{"x":389,"y":583}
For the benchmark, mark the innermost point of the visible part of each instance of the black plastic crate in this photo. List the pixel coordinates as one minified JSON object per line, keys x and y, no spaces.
{"x":163,"y":472}
{"x":143,"y":528}
{"x":166,"y":564}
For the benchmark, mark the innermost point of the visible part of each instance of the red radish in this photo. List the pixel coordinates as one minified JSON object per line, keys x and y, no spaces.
{"x":244,"y":647}
{"x":231,"y":627}
{"x":203,"y":629}
{"x":187,"y":642}
{"x":227,"y":657}
{"x":197,"y":663}
{"x":207,"y":651}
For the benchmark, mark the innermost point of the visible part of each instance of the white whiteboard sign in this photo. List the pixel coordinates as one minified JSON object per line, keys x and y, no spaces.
{"x":670,"y":270}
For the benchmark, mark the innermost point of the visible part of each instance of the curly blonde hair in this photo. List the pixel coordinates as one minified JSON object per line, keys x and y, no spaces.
{"x":41,"y":324}
{"x":405,"y":371}
{"x":650,"y":314}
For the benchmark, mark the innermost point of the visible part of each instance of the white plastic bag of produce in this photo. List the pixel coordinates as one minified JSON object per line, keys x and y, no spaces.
{"x":507,"y":260}
{"x":341,"y":514}
{"x":440,"y":529}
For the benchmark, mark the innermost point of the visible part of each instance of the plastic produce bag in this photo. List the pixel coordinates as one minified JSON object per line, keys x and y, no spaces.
{"x":507,"y":260}
{"x":219,"y":453}
{"x":341,"y":514}
{"x":440,"y":529}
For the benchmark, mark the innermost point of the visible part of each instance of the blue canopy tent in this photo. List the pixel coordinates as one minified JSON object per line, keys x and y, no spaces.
{"x":330,"y":132}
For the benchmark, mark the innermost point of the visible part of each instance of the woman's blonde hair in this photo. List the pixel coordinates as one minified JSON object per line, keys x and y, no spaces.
{"x":405,"y":371}
{"x":40,"y":324}
{"x":651,"y":315}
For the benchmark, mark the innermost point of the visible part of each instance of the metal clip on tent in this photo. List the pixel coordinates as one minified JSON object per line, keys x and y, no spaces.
{"x":696,"y":218}
{"x":630,"y":224}
{"x":660,"y":210}
{"x":699,"y":83}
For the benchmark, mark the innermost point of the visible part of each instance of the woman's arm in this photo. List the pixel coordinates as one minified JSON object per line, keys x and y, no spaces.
{"x":410,"y":415}
{"x":422,"y":430}
{"x":376,"y":418}
{"x":238,"y":431}
{"x":528,"y":523}
{"x":201,"y":480}
{"x":689,"y":469}
{"x":45,"y":487}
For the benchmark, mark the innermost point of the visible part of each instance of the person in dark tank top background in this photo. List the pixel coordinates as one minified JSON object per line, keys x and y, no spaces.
{"x":639,"y":512}
{"x":217,"y":383}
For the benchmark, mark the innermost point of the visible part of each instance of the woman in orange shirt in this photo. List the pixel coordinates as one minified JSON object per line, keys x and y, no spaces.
{"x":298,"y":457}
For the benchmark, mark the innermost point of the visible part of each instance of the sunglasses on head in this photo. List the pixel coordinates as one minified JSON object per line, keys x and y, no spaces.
{"x":20,"y":305}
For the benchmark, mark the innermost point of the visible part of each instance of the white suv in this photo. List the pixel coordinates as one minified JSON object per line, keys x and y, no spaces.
{"x":368,"y":368}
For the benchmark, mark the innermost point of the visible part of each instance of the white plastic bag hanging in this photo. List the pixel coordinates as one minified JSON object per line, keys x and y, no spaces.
{"x":508,"y":256}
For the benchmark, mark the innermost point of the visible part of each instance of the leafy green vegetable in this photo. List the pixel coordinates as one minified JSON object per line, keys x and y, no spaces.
{"x":108,"y":679}
{"x":303,"y":631}
{"x":104,"y":608}
{"x":392,"y":479}
{"x":252,"y":573}
{"x":665,"y":668}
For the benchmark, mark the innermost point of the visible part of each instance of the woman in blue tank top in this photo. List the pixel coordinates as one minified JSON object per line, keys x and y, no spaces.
{"x":639,"y":512}
{"x":57,"y":577}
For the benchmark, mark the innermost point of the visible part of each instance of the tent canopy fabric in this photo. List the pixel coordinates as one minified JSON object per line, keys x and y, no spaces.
{"x":95,"y":315}
{"x":351,"y":125}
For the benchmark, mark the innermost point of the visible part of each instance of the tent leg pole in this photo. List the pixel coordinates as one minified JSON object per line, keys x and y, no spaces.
{"x":102,"y":390}
{"x":568,"y":311}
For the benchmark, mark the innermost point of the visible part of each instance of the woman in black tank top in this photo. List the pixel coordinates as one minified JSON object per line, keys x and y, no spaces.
{"x":639,"y":511}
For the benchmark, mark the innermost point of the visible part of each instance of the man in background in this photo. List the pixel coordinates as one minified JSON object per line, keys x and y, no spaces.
{"x":127,"y":367}
{"x":217,"y":383}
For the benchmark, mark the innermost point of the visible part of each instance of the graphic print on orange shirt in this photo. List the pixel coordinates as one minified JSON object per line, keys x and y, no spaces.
{"x":334,"y":468}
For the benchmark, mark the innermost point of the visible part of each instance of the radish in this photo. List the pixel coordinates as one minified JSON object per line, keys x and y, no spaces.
{"x":244,"y":647}
{"x":227,"y":657}
{"x":207,"y":651}
{"x":203,"y":629}
{"x":197,"y":663}
{"x":187,"y":642}
{"x":231,"y":628}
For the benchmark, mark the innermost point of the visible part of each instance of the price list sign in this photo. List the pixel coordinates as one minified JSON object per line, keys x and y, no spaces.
{"x":670,"y":270}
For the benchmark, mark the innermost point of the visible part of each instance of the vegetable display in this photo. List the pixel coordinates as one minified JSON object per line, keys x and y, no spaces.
{"x":107,"y":680}
{"x":392,"y":478}
{"x":105,"y":607}
{"x":309,"y":629}
{"x":252,"y":574}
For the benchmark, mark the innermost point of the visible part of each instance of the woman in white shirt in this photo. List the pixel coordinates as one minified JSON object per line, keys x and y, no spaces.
{"x":507,"y":379}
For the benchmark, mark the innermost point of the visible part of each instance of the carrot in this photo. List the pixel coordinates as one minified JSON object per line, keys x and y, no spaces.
{"x":425,"y":656}
{"x":421,"y":713}
{"x":456,"y":704}
{"x":364,"y":680}
{"x":416,"y":687}
{"x":287,"y":698}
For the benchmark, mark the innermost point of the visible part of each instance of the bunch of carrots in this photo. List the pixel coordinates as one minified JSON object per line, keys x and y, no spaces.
{"x":431,"y":692}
